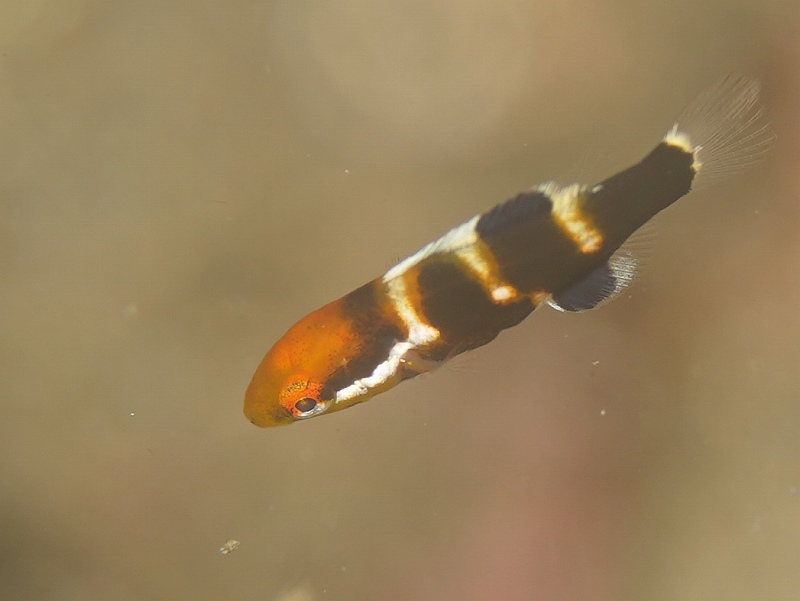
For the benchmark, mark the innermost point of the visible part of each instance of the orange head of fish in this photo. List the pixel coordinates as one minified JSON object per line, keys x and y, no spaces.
{"x":293,"y":380}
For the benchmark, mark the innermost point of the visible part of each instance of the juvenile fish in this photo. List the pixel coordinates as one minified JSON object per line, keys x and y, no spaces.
{"x":560,"y":245}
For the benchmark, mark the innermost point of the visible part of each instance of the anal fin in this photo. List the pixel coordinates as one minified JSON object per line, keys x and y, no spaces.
{"x":603,"y":284}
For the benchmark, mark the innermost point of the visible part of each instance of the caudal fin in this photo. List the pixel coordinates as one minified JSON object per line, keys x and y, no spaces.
{"x":725,"y":128}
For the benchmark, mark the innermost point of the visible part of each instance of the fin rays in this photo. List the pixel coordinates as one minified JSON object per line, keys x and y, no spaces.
{"x":727,"y":128}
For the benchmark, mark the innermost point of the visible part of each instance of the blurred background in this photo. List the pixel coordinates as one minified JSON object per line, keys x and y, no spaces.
{"x":181,"y":181}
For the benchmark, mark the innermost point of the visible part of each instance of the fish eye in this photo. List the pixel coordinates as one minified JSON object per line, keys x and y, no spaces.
{"x":305,"y":405}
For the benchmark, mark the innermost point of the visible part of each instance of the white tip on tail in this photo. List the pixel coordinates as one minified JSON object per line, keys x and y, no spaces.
{"x":726,"y":129}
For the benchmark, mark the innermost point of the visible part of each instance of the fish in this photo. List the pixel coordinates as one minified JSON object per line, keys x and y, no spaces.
{"x":559,"y":245}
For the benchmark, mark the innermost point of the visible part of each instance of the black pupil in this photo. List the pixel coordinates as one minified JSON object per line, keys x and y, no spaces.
{"x":304,"y":405}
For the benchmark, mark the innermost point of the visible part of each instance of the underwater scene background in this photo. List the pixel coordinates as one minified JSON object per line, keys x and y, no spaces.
{"x":181,"y":181}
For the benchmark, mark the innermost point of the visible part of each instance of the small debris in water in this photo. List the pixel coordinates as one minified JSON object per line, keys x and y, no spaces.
{"x":229,"y":547}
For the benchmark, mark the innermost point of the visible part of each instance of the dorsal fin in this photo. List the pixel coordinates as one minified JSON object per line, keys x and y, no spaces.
{"x":523,"y":206}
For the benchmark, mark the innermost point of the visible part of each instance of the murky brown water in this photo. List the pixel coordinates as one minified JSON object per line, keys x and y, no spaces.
{"x":182,"y":180}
